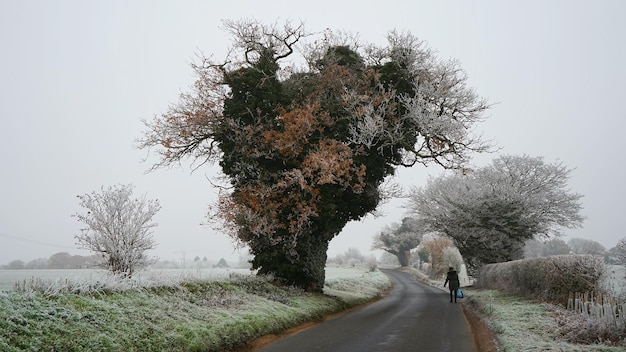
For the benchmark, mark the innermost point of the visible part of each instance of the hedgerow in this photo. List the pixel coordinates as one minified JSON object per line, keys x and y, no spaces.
{"x":551,"y":279}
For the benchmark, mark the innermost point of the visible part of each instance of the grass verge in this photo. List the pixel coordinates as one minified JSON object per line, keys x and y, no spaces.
{"x":189,"y":316}
{"x":521,"y":324}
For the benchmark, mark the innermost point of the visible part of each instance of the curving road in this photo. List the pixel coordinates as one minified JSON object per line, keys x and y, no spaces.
{"x":412,"y":317}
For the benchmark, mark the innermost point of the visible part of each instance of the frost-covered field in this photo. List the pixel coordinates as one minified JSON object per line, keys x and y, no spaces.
{"x":344,"y":272}
{"x":8,"y":278}
{"x":188,"y":315}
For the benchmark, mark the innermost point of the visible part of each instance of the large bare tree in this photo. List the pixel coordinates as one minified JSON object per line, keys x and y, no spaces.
{"x":307,"y":127}
{"x":118,"y":228}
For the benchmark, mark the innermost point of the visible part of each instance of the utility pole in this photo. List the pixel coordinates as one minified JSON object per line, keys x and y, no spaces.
{"x":182,"y":259}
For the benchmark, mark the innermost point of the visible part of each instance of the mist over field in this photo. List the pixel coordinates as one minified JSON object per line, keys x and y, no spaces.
{"x":78,"y":78}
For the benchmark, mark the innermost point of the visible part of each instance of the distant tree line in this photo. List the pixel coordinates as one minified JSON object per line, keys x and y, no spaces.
{"x":61,"y":260}
{"x":536,"y":249}
{"x":353,"y":257}
{"x":64,"y":260}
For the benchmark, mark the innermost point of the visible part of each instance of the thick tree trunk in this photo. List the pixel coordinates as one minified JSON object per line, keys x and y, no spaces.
{"x":306,"y":270}
{"x":404,"y":257}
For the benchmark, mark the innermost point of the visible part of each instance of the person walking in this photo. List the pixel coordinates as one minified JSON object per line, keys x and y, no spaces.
{"x":452,"y":280}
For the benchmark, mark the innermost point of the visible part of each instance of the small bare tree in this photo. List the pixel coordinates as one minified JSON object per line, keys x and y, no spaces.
{"x":118,"y":228}
{"x":436,"y":249}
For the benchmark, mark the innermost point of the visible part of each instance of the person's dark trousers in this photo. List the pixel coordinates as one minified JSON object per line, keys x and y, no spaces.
{"x":452,"y":294}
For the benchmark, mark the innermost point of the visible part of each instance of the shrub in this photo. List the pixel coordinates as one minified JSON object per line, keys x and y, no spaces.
{"x":371,"y":263}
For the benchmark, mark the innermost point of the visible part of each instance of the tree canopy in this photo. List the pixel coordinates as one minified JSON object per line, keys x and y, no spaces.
{"x":492,"y":211}
{"x":305,"y":147}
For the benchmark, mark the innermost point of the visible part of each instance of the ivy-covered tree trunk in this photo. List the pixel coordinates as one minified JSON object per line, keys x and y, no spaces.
{"x":306,"y":269}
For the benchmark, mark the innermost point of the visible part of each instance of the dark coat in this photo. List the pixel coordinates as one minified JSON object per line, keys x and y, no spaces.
{"x":453,"y":280}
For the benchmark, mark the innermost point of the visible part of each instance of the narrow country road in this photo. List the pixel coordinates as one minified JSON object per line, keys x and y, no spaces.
{"x":412,"y":317}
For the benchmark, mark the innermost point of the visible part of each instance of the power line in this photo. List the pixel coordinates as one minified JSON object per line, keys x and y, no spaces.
{"x":23,"y":239}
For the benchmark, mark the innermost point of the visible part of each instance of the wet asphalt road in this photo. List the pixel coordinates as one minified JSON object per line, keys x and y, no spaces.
{"x":412,"y":317}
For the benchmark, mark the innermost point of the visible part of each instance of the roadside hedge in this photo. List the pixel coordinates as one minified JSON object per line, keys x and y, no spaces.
{"x":551,"y":279}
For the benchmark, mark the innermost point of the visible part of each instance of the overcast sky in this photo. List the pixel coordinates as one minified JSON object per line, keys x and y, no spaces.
{"x":77,"y":78}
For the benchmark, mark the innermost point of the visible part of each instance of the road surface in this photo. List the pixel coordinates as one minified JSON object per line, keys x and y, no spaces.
{"x":412,"y":317}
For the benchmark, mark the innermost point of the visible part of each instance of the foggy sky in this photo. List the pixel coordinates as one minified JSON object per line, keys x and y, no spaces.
{"x":77,"y":78}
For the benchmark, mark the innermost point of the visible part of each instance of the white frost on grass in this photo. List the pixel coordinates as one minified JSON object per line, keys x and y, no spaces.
{"x":213,"y":315}
{"x":524,"y":325}
{"x":53,"y":282}
{"x":356,"y":283}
